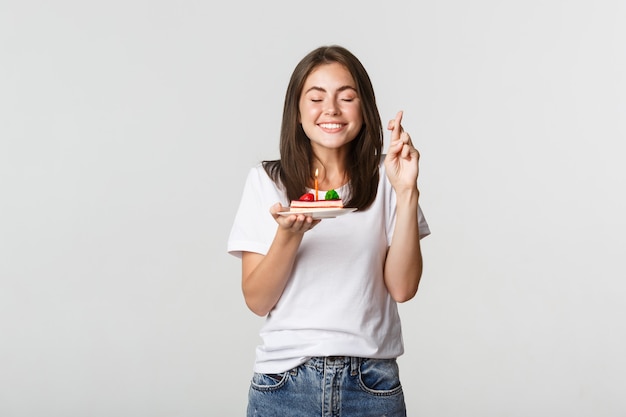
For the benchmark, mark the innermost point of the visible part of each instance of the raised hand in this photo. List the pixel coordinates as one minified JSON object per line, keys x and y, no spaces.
{"x":402,"y":160}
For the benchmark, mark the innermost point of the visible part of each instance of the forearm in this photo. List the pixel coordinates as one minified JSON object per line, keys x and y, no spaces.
{"x":265,"y":277}
{"x":403,"y":266}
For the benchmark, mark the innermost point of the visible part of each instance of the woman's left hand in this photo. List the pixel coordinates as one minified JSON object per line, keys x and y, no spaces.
{"x":402,"y":160}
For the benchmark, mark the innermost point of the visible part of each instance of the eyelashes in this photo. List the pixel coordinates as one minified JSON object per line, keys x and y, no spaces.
{"x":345,"y":100}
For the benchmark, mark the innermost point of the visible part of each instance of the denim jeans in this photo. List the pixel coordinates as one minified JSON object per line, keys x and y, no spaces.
{"x":336,"y":386}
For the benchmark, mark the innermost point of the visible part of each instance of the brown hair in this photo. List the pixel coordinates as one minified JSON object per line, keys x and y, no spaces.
{"x":293,"y":170}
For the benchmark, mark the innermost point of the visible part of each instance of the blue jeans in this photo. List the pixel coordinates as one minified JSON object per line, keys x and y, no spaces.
{"x":336,"y":386}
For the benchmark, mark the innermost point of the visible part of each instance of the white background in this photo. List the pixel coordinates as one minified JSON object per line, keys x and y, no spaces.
{"x":126,"y":132}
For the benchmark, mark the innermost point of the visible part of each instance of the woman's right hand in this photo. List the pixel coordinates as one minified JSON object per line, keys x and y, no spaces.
{"x":295,"y":223}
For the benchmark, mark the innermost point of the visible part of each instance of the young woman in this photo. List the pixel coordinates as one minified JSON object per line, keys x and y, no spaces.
{"x":329,"y":288}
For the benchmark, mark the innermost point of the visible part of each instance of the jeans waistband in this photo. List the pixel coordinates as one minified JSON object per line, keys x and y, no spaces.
{"x":321,"y":362}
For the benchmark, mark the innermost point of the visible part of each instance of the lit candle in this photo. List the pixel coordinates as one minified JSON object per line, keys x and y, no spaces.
{"x":316,"y":170}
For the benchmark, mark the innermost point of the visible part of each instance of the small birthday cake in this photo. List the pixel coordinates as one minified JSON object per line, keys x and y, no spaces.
{"x":307,"y":202}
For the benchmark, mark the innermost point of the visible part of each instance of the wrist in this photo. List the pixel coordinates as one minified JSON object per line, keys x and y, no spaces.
{"x":407,"y":193}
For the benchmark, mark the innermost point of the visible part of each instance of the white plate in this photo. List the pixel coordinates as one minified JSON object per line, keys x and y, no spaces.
{"x":320,"y":213}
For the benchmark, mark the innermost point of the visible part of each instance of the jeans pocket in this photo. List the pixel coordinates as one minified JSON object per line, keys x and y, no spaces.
{"x":268,"y":382}
{"x":380,"y":376}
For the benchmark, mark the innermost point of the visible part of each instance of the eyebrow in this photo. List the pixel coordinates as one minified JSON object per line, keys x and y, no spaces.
{"x":340,"y":89}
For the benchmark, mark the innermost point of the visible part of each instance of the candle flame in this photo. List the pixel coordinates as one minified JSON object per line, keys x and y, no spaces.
{"x":316,"y":171}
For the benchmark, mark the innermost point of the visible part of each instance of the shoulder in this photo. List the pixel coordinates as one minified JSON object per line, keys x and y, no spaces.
{"x":257,"y":178}
{"x":260,"y":183}
{"x":258,"y":172}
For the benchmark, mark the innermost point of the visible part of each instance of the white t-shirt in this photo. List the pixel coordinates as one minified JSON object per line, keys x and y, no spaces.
{"x":335,"y":302}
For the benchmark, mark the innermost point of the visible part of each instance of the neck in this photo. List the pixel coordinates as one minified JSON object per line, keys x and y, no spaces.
{"x":331,"y":167}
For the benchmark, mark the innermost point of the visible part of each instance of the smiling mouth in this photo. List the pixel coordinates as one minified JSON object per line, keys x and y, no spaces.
{"x":331,"y":126}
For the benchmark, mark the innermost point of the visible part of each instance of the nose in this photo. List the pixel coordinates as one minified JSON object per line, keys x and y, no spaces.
{"x":331,"y":108}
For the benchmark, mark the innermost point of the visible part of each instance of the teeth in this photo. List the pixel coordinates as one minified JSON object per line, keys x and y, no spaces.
{"x":330,"y":125}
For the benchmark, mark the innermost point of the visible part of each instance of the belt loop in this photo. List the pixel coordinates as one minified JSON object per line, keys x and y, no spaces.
{"x":354,"y":365}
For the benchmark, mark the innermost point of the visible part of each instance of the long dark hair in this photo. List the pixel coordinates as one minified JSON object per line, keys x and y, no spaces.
{"x":293,"y":170}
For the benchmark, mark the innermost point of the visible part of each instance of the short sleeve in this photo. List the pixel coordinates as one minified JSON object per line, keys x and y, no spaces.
{"x":254,"y":227}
